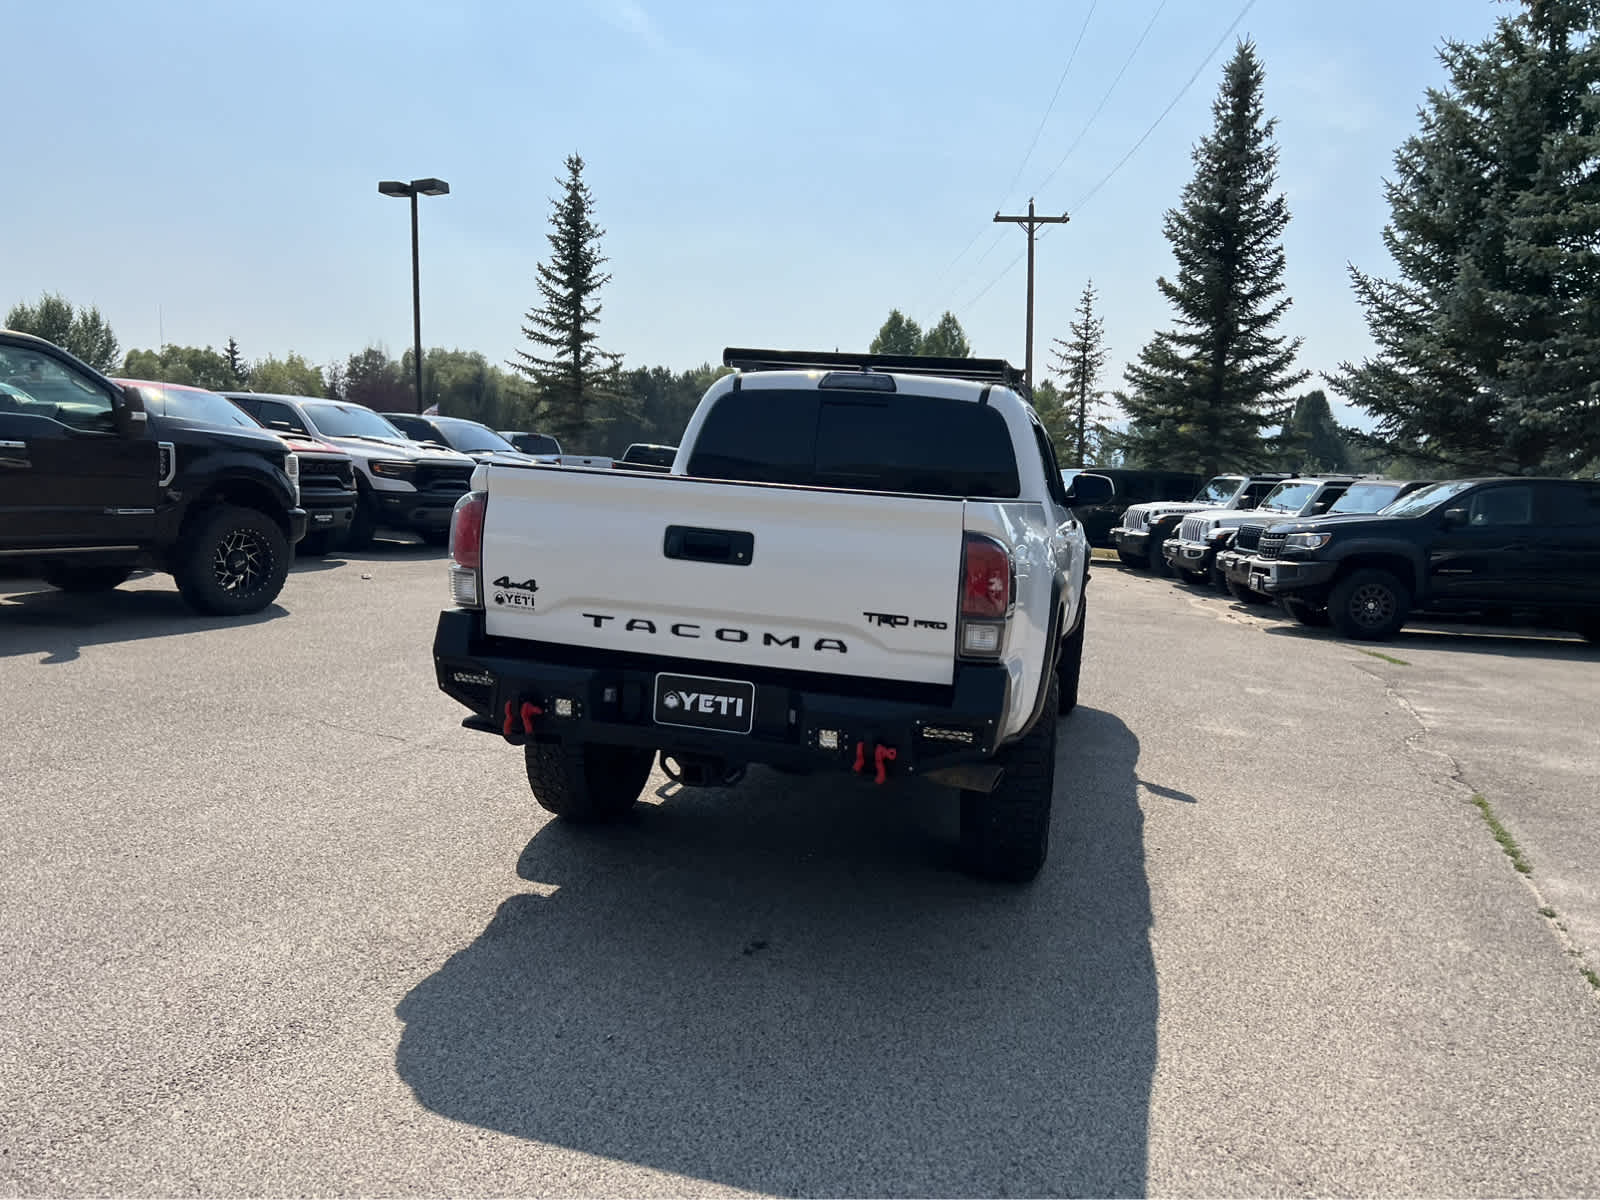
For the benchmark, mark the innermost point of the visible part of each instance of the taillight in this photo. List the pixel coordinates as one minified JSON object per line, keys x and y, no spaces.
{"x":466,"y":530}
{"x":986,"y":587}
{"x":466,"y":549}
{"x":986,"y":579}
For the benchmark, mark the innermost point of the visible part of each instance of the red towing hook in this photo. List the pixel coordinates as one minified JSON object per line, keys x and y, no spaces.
{"x":527,"y":713}
{"x":881,"y":755}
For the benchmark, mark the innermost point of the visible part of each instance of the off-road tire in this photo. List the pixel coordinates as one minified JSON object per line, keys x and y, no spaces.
{"x":1305,"y":612}
{"x":69,"y":577}
{"x":1369,"y":604}
{"x":587,"y":784}
{"x":1070,"y":666}
{"x":1246,"y":595}
{"x":1192,"y":578}
{"x":1158,"y":561}
{"x":363,"y":523}
{"x":232,"y":561}
{"x":1132,"y":560}
{"x":1005,"y":834}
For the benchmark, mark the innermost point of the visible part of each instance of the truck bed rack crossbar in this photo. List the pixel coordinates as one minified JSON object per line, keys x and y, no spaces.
{"x":979,"y":370}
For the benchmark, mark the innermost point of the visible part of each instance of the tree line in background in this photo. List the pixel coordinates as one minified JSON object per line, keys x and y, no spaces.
{"x":1487,"y":341}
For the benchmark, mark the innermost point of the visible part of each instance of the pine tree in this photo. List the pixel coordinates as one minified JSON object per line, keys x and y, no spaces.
{"x":1312,"y":440}
{"x":236,"y":363}
{"x":1201,"y":396}
{"x":1079,"y":362}
{"x":898,"y":334}
{"x":580,"y":386}
{"x":1488,"y":343}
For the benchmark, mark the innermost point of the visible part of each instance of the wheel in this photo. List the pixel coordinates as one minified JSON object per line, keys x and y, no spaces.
{"x":1197,"y":578}
{"x":314,"y":545}
{"x":1158,"y":561}
{"x":589,"y":784}
{"x":1370,"y":604}
{"x":363,"y":523}
{"x":1132,"y":560}
{"x":232,"y":562}
{"x":1245,"y":595}
{"x":1005,"y":834}
{"x":1305,"y":612}
{"x":1214,"y":578}
{"x":72,"y":578}
{"x":435,"y":537}
{"x":1070,"y":666}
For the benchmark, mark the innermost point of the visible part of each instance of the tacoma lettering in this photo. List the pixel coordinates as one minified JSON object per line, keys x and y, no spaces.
{"x":688,"y":629}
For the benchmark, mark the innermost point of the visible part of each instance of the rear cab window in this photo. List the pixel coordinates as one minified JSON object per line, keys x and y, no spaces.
{"x":899,"y":442}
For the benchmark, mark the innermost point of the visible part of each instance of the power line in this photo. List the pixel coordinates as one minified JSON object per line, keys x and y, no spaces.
{"x":1182,"y":92}
{"x":1021,"y":166}
{"x":1089,"y":124}
{"x":1084,"y":28}
{"x":1210,"y":54}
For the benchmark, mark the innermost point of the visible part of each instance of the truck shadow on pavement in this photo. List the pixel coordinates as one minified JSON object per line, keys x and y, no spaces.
{"x":787,"y":987}
{"x":59,"y":625}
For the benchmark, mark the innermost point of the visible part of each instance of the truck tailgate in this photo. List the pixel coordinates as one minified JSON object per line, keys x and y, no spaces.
{"x":847,"y":583}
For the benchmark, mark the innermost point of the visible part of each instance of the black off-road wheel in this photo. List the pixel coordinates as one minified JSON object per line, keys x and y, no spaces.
{"x":232,"y":562}
{"x":588,"y":784}
{"x":71,"y":578}
{"x":1305,"y":612}
{"x":1370,"y":604}
{"x":1005,"y":834}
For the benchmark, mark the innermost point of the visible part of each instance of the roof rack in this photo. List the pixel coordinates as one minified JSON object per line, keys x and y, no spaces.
{"x":979,"y":370}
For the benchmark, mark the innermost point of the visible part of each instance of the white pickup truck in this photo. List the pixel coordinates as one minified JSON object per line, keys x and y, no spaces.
{"x":858,"y":563}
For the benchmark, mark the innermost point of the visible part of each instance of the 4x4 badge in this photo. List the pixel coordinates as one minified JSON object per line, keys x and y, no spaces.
{"x":527,"y":585}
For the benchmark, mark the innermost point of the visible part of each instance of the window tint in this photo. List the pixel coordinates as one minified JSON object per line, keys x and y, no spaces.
{"x":1575,"y":504}
{"x":1176,"y":487}
{"x":278,"y":416}
{"x":1501,"y":506}
{"x":35,"y":384}
{"x":898,"y":443}
{"x":203,"y":408}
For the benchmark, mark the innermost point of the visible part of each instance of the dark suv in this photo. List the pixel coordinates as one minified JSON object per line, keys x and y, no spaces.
{"x":92,"y":487}
{"x":1129,"y":485}
{"x":1495,"y":547}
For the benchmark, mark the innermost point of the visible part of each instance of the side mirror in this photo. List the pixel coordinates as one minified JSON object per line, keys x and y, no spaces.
{"x":1089,"y":489}
{"x":127,"y":411}
{"x":1454,"y":517}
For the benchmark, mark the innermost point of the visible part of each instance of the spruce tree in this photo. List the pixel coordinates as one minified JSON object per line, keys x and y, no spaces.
{"x":579,"y":385}
{"x":1201,"y":396}
{"x":946,"y":339}
{"x":1078,"y":362}
{"x":1312,"y":440}
{"x":1488,"y":342}
{"x":237,"y":367}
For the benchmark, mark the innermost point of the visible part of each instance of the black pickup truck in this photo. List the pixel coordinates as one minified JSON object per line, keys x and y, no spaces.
{"x":93,"y":487}
{"x":1496,"y":547}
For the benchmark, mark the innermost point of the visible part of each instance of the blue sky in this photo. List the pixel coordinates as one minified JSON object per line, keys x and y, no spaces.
{"x":768,"y":174}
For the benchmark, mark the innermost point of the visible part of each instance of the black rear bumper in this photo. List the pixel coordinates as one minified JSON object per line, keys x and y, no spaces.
{"x":608,"y":698}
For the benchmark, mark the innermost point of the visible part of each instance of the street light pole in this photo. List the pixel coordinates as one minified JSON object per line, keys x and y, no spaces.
{"x":417,"y":187}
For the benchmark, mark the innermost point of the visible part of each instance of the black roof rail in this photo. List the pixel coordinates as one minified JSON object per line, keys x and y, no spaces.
{"x":978,"y":370}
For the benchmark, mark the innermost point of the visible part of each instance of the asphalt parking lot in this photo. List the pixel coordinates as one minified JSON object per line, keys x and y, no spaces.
{"x":275,"y":924}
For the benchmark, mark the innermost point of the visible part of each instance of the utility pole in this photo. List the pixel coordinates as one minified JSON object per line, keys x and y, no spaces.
{"x":1031,"y":223}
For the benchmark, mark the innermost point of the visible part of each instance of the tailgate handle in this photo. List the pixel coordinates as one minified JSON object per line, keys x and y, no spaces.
{"x":730,"y":546}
